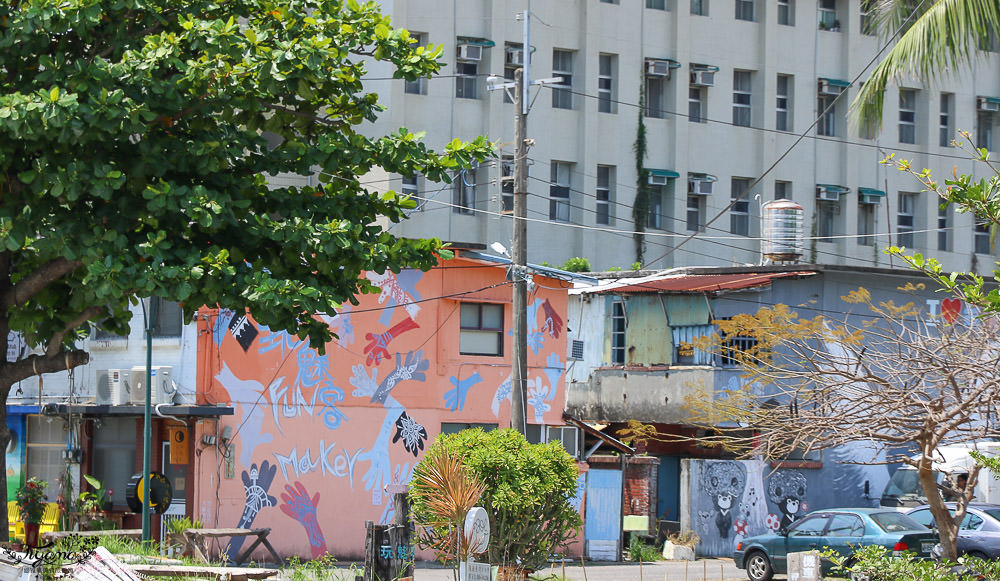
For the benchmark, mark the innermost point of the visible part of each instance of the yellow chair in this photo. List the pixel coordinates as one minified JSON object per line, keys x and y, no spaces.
{"x":50,"y":519}
{"x":15,"y":527}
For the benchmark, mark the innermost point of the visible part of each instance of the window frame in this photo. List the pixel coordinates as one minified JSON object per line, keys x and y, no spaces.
{"x":619,"y":331}
{"x":661,"y":5}
{"x":906,"y":217}
{"x":696,"y":99}
{"x":560,"y":192}
{"x":944,"y":119}
{"x":419,"y":85}
{"x":164,"y":328}
{"x":784,"y":187}
{"x":479,"y":328}
{"x":742,"y":98}
{"x":866,"y":224}
{"x":603,"y":194}
{"x":783,"y":103}
{"x":907,"y":116}
{"x":507,"y":184}
{"x":699,"y":7}
{"x":562,"y":93}
{"x":786,"y":12}
{"x":943,"y":218}
{"x":654,"y":214}
{"x":467,"y":80}
{"x":826,"y":220}
{"x":695,"y":213}
{"x":981,"y":237}
{"x":606,"y":83}
{"x":745,"y":10}
{"x":827,"y":125}
{"x":464,"y":192}
{"x":739,"y":212}
{"x":827,"y":16}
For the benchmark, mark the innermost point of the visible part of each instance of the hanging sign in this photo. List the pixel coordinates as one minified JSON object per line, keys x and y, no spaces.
{"x":178,"y":444}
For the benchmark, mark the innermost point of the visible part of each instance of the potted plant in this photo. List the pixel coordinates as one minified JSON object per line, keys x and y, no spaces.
{"x":31,"y":501}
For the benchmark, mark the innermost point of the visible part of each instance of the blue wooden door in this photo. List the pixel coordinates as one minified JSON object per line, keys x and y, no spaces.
{"x":602,"y":527}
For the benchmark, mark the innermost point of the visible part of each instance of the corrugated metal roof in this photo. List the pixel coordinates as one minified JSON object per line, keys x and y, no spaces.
{"x":694,"y":283}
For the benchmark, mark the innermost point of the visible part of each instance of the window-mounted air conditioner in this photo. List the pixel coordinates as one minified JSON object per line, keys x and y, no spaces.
{"x":658,"y":68}
{"x":655,"y":180}
{"x":112,"y":387}
{"x":827,"y":194}
{"x":513,"y":56}
{"x":470,"y":52}
{"x":703,"y":78}
{"x":700,"y":187}
{"x":986,"y":105}
{"x":825,"y":88}
{"x":870,"y":199}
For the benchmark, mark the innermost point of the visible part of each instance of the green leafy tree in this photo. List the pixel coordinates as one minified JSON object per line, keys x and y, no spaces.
{"x":527,"y":489}
{"x":938,"y":38}
{"x":136,"y":143}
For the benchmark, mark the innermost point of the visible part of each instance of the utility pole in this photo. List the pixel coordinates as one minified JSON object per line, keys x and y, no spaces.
{"x":519,"y":367}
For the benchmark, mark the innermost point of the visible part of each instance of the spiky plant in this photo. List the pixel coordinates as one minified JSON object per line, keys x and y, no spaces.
{"x":442,"y":492}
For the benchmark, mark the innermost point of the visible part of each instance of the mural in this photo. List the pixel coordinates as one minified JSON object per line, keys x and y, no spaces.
{"x":329,"y":437}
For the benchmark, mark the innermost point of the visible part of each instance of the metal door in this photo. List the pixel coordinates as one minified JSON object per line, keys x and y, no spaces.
{"x":603,"y":517}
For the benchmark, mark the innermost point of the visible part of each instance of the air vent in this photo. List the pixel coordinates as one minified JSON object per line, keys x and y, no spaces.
{"x":576,"y":349}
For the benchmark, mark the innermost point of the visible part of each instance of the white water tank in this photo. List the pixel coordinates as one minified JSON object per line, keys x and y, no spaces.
{"x":782,"y":224}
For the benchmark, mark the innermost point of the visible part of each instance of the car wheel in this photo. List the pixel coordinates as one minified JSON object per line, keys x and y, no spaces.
{"x":759,"y":567}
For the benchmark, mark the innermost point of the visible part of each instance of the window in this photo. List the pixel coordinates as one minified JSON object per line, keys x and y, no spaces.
{"x":45,"y":442}
{"x":605,"y":83}
{"x":742,"y":91}
{"x":782,"y":190}
{"x":419,"y":86}
{"x":739,"y":213}
{"x":846,"y":525}
{"x":464,"y":192}
{"x":942,"y":224}
{"x":907,"y":116}
{"x":810,"y":526}
{"x":481,"y":329}
{"x":114,"y":452}
{"x":605,"y":179}
{"x":825,"y":219}
{"x":511,"y":52}
{"x":944,"y":120}
{"x":508,"y":77}
{"x":984,"y":130}
{"x":866,"y":224}
{"x":410,"y":188}
{"x":981,"y":237}
{"x":169,"y":318}
{"x":828,"y":15}
{"x":562,"y":66}
{"x":101,"y":334}
{"x":905,"y":219}
{"x":656,"y":4}
{"x":656,"y":89}
{"x":618,"y":325}
{"x":609,"y":1}
{"x":696,"y":104}
{"x":455,"y":427}
{"x":699,"y":7}
{"x":559,"y":191}
{"x":783,"y":120}
{"x":744,"y":10}
{"x":786,"y":14}
{"x":655,"y":216}
{"x":868,"y":26}
{"x":685,"y":338}
{"x":695,"y":212}
{"x":736,"y":348}
{"x":507,"y":184}
{"x":827,"y":109}
{"x":466,"y":79}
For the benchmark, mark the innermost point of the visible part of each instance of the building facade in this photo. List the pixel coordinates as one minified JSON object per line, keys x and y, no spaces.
{"x":723,"y":90}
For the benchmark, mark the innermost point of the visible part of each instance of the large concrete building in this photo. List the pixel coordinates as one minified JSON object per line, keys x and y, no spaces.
{"x":728,"y":87}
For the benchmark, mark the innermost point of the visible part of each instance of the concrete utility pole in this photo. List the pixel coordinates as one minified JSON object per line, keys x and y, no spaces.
{"x":519,"y":371}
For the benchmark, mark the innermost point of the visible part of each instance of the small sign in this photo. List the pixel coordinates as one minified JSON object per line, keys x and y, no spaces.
{"x":473,"y":571}
{"x":477,"y":530}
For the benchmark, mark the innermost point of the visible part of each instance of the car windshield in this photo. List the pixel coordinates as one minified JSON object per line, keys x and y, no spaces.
{"x":905,"y":483}
{"x":892,"y":522}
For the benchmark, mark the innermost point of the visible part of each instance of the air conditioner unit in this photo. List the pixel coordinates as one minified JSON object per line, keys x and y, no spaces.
{"x":703,"y":78}
{"x":825,"y":88}
{"x":870,"y":199}
{"x":987,"y":106}
{"x":162,"y":385}
{"x":470,"y":52}
{"x":569,"y":436}
{"x":513,"y":56}
{"x":656,"y":180}
{"x":112,"y":387}
{"x":658,"y":68}
{"x":701,"y":187}
{"x":827,"y":194}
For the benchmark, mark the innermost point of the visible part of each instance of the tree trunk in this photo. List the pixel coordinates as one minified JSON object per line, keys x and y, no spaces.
{"x":947,"y":529}
{"x":4,"y":442}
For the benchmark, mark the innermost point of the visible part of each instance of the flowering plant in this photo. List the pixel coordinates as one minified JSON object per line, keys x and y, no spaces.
{"x":31,"y":500}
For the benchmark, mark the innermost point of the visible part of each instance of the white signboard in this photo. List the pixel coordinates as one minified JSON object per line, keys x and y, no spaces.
{"x":16,"y":348}
{"x":473,"y":571}
{"x":477,"y":530}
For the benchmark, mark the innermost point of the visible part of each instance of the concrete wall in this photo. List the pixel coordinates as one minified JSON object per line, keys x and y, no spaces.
{"x":616,"y":395}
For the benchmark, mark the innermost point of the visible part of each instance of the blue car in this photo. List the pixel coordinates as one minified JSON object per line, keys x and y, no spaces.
{"x":979,"y":535}
{"x":841,"y":529}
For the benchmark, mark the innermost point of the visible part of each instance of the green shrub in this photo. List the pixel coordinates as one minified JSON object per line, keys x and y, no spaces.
{"x":527,"y":493}
{"x":576,"y":264}
{"x":640,"y":551}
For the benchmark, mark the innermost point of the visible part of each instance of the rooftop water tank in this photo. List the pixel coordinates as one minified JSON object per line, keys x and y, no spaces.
{"x":782,"y":223}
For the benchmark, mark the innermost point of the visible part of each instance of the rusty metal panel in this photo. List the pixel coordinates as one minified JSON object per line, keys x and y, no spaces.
{"x":687,"y":310}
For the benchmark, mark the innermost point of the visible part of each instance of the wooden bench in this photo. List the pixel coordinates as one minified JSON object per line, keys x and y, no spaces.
{"x":196,"y":540}
{"x":56,"y":535}
{"x":225,"y":573}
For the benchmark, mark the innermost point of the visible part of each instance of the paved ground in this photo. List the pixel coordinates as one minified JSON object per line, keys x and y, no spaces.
{"x":700,"y":570}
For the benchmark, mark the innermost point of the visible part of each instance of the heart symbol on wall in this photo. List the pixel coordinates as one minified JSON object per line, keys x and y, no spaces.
{"x":951,"y":309}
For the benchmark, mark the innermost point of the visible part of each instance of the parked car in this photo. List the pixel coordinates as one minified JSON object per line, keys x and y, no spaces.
{"x":841,"y":529}
{"x":979,"y":534}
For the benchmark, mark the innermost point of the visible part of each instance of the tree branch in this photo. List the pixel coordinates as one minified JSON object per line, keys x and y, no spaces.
{"x":19,"y":294}
{"x":55,"y":341}
{"x":12,"y":372}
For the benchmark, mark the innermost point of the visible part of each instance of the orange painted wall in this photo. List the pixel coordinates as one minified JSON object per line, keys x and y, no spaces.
{"x":316,"y":439}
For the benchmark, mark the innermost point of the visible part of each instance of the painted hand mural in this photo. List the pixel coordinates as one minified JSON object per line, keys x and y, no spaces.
{"x":502,"y":394}
{"x":397,"y":290}
{"x":300,"y":507}
{"x":256,"y":485}
{"x":553,"y":322}
{"x":454,"y":399}
{"x":412,"y":368}
{"x":378,"y":343}
{"x":412,"y":434}
{"x":245,"y":392}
